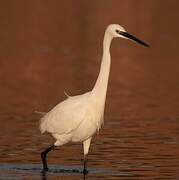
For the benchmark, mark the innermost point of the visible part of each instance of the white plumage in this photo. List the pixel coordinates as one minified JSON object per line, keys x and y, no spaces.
{"x":77,"y":118}
{"x":73,"y":119}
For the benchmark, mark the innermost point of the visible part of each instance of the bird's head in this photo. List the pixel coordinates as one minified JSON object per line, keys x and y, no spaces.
{"x":115,"y":30}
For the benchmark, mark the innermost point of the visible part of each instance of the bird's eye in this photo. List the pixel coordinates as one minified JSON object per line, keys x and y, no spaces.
{"x":117,"y":31}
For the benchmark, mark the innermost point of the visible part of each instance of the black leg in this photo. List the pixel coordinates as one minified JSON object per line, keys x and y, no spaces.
{"x":85,"y":166}
{"x":44,"y":155}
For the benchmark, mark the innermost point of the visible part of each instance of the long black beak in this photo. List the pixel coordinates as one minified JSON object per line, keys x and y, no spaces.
{"x":129,"y":36}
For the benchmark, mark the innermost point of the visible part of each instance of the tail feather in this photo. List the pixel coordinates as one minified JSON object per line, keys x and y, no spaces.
{"x":42,"y":125}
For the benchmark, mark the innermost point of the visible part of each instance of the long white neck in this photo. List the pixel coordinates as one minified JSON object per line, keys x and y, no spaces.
{"x":100,"y":87}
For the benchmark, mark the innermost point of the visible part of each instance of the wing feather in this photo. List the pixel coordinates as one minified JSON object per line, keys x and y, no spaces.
{"x":66,"y":116}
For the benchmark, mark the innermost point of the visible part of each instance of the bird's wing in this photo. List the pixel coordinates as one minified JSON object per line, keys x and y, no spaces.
{"x":66,"y":116}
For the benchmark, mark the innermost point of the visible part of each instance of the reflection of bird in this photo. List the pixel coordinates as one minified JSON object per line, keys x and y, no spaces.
{"x":45,"y":177}
{"x":77,"y":118}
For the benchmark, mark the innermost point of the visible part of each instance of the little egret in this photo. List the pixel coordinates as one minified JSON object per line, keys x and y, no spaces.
{"x":77,"y":118}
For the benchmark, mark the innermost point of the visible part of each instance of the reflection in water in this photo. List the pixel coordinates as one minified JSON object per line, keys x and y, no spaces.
{"x":70,"y":172}
{"x":16,"y":171}
{"x":57,"y":48}
{"x":45,"y":177}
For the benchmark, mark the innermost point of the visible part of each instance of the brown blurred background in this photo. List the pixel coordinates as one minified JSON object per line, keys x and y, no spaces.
{"x":47,"y":47}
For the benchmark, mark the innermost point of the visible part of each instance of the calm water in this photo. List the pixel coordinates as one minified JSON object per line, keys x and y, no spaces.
{"x":46,"y":48}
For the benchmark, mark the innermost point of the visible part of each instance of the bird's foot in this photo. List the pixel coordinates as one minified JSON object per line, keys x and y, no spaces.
{"x":85,"y":171}
{"x":46,"y":169}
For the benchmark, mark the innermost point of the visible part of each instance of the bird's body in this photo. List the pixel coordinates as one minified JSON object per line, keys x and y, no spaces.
{"x":77,"y":118}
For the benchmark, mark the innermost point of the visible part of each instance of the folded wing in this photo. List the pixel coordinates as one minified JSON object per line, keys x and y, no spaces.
{"x":66,"y":116}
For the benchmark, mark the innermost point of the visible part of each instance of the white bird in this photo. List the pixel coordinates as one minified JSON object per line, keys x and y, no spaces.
{"x":78,"y":118}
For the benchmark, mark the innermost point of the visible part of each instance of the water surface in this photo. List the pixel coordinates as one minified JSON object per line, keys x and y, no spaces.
{"x":46,"y":48}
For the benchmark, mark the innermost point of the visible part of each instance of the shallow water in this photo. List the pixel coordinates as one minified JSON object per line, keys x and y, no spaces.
{"x":47,"y":48}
